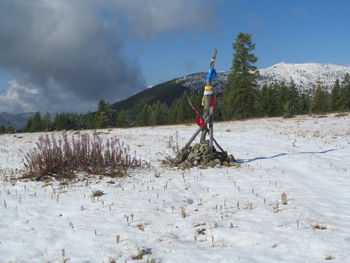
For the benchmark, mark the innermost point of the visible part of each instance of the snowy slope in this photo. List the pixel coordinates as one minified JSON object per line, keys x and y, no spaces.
{"x":231,"y":214}
{"x":304,"y":75}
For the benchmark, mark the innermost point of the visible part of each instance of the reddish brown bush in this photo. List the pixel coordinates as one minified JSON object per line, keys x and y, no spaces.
{"x":62,"y":158}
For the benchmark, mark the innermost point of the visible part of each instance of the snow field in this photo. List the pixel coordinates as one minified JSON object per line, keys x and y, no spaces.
{"x":196,"y":215}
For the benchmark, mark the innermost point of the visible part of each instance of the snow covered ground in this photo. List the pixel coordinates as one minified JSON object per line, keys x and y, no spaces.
{"x":197,"y":215}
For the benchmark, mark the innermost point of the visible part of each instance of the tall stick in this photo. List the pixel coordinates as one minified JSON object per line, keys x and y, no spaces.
{"x":209,"y":111}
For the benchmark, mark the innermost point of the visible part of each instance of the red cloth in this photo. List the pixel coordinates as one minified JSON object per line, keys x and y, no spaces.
{"x":212,"y":101}
{"x":199,"y":121}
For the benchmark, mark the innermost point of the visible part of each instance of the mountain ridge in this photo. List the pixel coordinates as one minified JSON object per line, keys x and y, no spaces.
{"x":303,"y":74}
{"x":16,"y":120}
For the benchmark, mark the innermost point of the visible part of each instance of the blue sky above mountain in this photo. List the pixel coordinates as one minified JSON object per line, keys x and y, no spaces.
{"x":66,"y":55}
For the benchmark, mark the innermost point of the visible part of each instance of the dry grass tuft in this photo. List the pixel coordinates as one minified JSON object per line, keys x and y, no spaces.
{"x":97,"y":193}
{"x":62,"y":158}
{"x":320,"y":227}
{"x":142,"y":253}
{"x":284,"y":198}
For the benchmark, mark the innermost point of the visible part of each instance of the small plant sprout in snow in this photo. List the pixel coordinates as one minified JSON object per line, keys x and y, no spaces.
{"x":62,"y":158}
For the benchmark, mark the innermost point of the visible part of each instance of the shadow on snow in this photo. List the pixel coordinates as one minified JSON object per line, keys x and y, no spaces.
{"x":282,"y":154}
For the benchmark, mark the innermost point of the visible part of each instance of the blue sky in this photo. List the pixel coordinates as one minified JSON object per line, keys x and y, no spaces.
{"x":61,"y":60}
{"x":289,"y":31}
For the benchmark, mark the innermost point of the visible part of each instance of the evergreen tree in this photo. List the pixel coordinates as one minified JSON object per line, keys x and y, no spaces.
{"x":29,"y":125}
{"x":345,"y":87}
{"x":178,"y":110}
{"x":294,"y":99}
{"x":102,"y":106}
{"x":46,"y":122}
{"x":270,"y":100}
{"x":143,"y":118}
{"x":122,"y":120}
{"x":90,"y":121}
{"x":2,"y":129}
{"x":305,"y":103}
{"x":320,"y":100}
{"x":104,"y":115}
{"x":37,"y":124}
{"x":57,"y":122}
{"x":337,"y":100}
{"x":159,"y":114}
{"x":240,"y":92}
{"x":101,"y":120}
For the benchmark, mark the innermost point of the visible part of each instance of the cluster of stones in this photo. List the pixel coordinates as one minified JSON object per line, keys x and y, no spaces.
{"x":199,"y":155}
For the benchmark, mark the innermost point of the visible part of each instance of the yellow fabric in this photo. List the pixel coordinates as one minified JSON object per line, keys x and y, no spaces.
{"x":206,"y":88}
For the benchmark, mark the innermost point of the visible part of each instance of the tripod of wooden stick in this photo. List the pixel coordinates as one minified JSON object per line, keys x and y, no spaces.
{"x":208,"y":113}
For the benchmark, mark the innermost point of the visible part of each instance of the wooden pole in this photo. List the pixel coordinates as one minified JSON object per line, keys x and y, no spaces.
{"x":209,"y":111}
{"x":196,"y":133}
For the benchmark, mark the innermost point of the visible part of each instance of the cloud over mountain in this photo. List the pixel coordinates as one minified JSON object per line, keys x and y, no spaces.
{"x":66,"y":55}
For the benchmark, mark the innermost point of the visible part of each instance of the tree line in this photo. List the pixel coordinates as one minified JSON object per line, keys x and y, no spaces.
{"x":270,"y":100}
{"x":241,"y":98}
{"x":7,"y":129}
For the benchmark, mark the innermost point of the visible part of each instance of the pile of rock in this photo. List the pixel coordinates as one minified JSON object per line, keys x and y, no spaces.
{"x":199,"y":155}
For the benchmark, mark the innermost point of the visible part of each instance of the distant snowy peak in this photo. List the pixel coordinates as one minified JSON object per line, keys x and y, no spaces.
{"x":304,"y":75}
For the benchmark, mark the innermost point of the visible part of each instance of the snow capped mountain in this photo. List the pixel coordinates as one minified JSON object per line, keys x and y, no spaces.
{"x":304,"y":75}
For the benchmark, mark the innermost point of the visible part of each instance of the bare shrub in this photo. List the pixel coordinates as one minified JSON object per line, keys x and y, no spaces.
{"x":62,"y":158}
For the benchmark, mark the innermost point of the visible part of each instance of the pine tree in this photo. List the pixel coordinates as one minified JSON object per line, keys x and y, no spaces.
{"x":101,"y":106}
{"x":90,"y":121}
{"x":101,"y":120}
{"x":337,"y":100}
{"x":37,"y":124}
{"x":270,"y":100}
{"x":104,"y":115}
{"x":305,"y":103}
{"x":240,"y":92}
{"x":57,"y":122}
{"x":143,"y":118}
{"x":159,"y":114}
{"x":46,"y":122}
{"x":294,"y":99}
{"x":29,"y":125}
{"x":345,"y":87}
{"x":320,"y":100}
{"x":181,"y":111}
{"x":290,"y":100}
{"x":122,"y":120}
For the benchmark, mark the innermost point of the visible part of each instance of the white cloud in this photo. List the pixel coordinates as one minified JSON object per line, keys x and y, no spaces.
{"x":71,"y":52}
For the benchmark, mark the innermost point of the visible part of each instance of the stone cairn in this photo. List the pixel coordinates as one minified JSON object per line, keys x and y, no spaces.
{"x":204,"y":154}
{"x":199,"y":155}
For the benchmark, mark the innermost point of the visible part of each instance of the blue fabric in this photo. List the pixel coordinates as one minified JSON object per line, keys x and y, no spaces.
{"x":211,"y":74}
